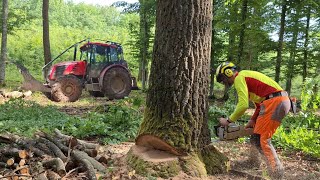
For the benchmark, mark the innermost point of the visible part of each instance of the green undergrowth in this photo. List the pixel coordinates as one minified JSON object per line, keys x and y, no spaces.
{"x":112,"y":123}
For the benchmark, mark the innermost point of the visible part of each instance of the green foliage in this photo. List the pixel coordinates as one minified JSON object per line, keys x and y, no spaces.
{"x":301,"y":131}
{"x":114,"y":123}
{"x":302,"y":139}
{"x":25,"y":117}
{"x":310,"y":95}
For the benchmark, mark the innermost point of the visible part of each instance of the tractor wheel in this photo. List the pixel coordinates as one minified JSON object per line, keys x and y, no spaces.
{"x":96,"y":93}
{"x":116,"y":83}
{"x":66,"y":89}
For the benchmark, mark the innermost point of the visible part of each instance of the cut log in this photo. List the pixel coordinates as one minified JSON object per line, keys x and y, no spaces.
{"x":22,"y":162}
{"x":3,"y":165}
{"x":15,"y":153}
{"x":56,"y":164}
{"x":44,"y":148}
{"x":58,"y":153}
{"x":30,"y":83}
{"x":90,"y":170}
{"x":25,"y":170}
{"x":79,"y":156}
{"x":154,"y":142}
{"x":87,"y":145}
{"x":52,"y":175}
{"x":23,"y":154}
{"x":10,"y":162}
{"x":91,"y":152}
{"x":23,"y":142}
{"x":101,"y":159}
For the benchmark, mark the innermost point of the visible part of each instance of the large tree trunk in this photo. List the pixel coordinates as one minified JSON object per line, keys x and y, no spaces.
{"x":4,"y":41}
{"x":46,"y":37}
{"x":177,"y":101}
{"x":280,"y":42}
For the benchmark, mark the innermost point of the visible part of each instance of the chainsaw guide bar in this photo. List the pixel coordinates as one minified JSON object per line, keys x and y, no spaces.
{"x":232,"y":132}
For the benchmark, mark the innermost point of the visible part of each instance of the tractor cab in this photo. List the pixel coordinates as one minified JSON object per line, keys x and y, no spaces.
{"x":101,"y":55}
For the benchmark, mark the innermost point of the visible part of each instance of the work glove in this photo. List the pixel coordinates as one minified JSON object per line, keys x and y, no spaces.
{"x":223,"y":121}
{"x":250,"y":124}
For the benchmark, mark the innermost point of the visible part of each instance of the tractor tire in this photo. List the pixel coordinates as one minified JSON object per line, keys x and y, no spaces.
{"x":116,"y":83}
{"x":66,"y":89}
{"x":96,"y":93}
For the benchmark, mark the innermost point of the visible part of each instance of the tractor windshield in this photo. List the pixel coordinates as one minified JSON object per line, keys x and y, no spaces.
{"x":102,"y":54}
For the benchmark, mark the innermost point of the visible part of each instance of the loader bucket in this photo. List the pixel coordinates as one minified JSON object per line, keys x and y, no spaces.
{"x":31,"y":83}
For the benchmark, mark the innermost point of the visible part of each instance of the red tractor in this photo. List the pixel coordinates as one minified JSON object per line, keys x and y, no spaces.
{"x":100,"y":69}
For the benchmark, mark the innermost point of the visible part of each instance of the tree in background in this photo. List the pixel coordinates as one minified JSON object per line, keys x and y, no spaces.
{"x":280,"y":41}
{"x":147,"y":19}
{"x":244,"y":11}
{"x":46,"y":37}
{"x":3,"y":59}
{"x":176,"y":113}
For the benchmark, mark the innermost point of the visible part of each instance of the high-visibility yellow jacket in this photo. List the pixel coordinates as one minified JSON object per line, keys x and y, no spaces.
{"x":253,"y":86}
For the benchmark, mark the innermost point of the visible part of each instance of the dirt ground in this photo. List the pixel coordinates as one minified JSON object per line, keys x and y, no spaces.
{"x":297,"y":166}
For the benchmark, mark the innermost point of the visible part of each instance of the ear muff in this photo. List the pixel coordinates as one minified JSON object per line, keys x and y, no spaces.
{"x":227,"y":69}
{"x":228,"y":72}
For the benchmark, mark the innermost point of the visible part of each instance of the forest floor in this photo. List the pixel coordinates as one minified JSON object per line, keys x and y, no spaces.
{"x":297,"y":166}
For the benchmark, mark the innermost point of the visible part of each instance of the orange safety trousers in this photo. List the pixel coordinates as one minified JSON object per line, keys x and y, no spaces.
{"x":272,"y":111}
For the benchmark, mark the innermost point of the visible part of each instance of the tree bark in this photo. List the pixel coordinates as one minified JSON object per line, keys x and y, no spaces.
{"x":280,"y":41}
{"x":233,"y":8}
{"x":306,"y":42}
{"x":212,"y":61}
{"x":293,"y":51}
{"x":46,"y":37}
{"x":144,"y":42}
{"x":244,"y":12}
{"x":177,"y":101}
{"x":5,"y":11}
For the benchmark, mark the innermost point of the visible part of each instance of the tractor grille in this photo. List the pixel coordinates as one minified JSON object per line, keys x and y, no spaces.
{"x":59,"y":71}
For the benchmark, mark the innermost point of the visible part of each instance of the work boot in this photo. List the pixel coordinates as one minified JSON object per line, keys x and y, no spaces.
{"x":277,"y":173}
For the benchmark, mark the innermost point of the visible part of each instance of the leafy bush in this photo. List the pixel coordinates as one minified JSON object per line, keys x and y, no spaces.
{"x":310,"y":95}
{"x":308,"y":141}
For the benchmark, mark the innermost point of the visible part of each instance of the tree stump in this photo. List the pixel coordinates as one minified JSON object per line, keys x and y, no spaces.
{"x":158,"y":159}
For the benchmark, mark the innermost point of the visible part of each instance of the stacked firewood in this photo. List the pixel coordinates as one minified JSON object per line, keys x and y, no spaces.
{"x":57,"y":156}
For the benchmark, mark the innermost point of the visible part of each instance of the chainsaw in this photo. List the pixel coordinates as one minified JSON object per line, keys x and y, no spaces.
{"x":232,"y":131}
